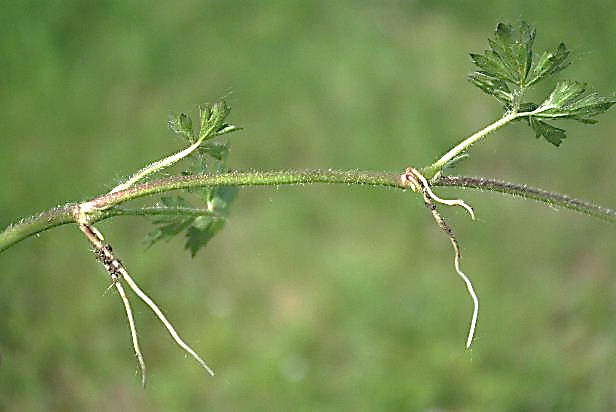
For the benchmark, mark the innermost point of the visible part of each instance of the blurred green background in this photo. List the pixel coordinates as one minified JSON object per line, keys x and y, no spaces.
{"x":312,"y":297}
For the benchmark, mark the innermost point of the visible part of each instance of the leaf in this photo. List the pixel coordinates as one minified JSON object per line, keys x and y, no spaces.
{"x":552,"y":134}
{"x":213,"y":120}
{"x":569,"y":100}
{"x":218,"y":151}
{"x":492,"y":86}
{"x":510,"y":55}
{"x":166,"y":231}
{"x":221,"y":199}
{"x":200,"y":234}
{"x":548,"y":64}
{"x":507,"y":68}
{"x":200,"y":223}
{"x":181,"y":124}
{"x":203,"y":228}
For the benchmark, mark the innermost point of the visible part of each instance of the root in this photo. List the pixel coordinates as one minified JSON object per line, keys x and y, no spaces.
{"x":418,"y":183}
{"x":133,"y":330}
{"x":176,"y":337}
{"x":414,"y":178}
{"x":118,"y":273}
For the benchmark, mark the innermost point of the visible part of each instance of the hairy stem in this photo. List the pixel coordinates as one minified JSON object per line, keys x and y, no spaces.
{"x":528,"y":192}
{"x":463,"y":146}
{"x":104,"y":207}
{"x":161,"y":164}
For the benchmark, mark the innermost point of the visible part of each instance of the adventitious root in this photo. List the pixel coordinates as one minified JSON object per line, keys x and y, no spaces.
{"x":118,"y":273}
{"x":176,"y":337}
{"x":133,"y":330}
{"x":418,"y":183}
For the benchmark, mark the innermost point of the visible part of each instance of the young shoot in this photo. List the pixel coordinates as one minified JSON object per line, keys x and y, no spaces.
{"x":506,"y":71}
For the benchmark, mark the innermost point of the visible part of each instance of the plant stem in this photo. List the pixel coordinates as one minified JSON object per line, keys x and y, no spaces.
{"x":33,"y":225}
{"x":431,"y":171}
{"x":161,"y":164}
{"x":256,"y":178}
{"x":103,"y":207}
{"x":528,"y":192}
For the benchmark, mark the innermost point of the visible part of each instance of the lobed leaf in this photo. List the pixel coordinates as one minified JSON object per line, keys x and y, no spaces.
{"x":507,"y":68}
{"x":218,"y":151}
{"x":569,"y":100}
{"x":205,"y":227}
{"x":200,"y":223}
{"x":552,"y":134}
{"x":213,"y":120}
{"x":493,"y":86}
{"x":510,"y":55}
{"x":548,"y":64}
{"x":181,"y":124}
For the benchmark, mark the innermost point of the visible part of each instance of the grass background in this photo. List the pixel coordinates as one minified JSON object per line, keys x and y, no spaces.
{"x":312,"y":298}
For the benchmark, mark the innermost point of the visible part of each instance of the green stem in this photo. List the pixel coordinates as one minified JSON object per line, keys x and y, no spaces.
{"x":161,"y":164}
{"x":256,"y":178}
{"x":527,"y":192}
{"x":35,"y":224}
{"x":161,"y":211}
{"x":430,"y":171}
{"x":103,"y":207}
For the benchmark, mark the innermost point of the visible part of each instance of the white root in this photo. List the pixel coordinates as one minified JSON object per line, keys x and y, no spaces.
{"x":176,"y":337}
{"x":453,"y":202}
{"x":418,"y":183}
{"x":133,"y":330}
{"x":471,"y":291}
{"x":411,"y":176}
{"x":118,"y":272}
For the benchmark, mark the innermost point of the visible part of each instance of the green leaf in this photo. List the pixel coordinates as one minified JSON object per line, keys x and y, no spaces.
{"x":548,"y":64}
{"x":200,"y":223}
{"x":181,"y":124}
{"x":166,"y":231}
{"x":201,"y":232}
{"x":218,"y":151}
{"x":204,"y":228}
{"x":221,"y":198}
{"x":510,"y":55}
{"x":493,"y":86}
{"x":200,"y":227}
{"x":508,"y":68}
{"x":213,"y":120}
{"x":552,"y":134}
{"x":570,"y":100}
